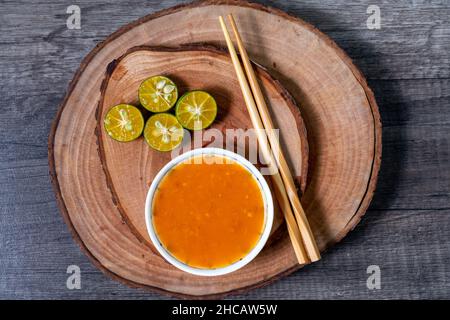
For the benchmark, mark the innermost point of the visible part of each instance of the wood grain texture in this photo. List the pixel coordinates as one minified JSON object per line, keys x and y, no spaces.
{"x":340,"y":113}
{"x":191,"y":67}
{"x":404,"y":232}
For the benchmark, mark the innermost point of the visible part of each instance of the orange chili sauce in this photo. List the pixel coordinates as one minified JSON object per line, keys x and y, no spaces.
{"x":208,"y":214}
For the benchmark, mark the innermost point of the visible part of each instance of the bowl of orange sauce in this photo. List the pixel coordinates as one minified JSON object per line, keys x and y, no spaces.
{"x":209,"y":212}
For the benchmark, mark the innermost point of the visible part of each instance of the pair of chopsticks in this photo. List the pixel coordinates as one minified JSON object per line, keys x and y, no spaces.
{"x":300,"y":233}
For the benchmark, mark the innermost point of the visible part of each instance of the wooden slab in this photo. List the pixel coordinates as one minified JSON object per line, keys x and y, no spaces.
{"x":131,"y":167}
{"x":340,"y":113}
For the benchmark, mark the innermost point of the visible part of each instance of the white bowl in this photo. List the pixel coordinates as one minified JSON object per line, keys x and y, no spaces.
{"x":268,"y":212}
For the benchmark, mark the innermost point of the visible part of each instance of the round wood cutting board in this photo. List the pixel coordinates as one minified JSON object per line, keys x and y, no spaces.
{"x":339,"y":111}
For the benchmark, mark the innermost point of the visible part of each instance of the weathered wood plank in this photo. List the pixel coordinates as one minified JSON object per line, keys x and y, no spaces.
{"x":415,"y":171}
{"x":38,"y":56}
{"x":413,"y":42}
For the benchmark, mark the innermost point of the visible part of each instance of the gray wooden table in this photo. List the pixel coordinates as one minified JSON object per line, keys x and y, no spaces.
{"x":406,"y":232}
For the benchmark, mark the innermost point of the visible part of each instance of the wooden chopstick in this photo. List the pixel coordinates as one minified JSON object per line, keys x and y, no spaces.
{"x":302,"y":221}
{"x":280,"y":191}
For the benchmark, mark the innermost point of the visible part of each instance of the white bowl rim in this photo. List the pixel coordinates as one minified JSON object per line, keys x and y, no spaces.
{"x":268,"y":212}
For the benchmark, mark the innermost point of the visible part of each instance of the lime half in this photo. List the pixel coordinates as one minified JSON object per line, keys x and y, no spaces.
{"x":158,"y":94}
{"x":163,"y":132}
{"x":196,"y":110}
{"x":124,"y":122}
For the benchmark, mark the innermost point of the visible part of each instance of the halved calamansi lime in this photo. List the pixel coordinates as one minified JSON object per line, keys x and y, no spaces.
{"x":124,"y":122}
{"x":196,"y":110}
{"x":158,"y":94}
{"x":163,"y":132}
